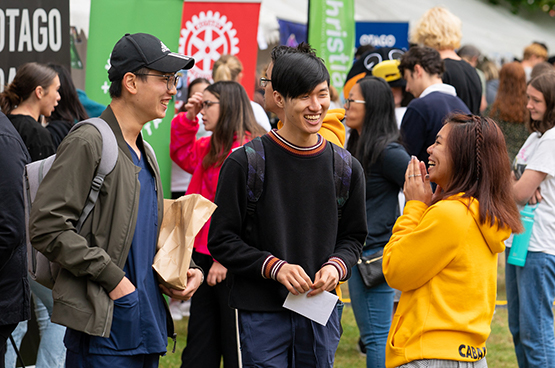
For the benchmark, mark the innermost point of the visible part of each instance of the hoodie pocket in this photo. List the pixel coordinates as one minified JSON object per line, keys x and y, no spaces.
{"x":397,"y":347}
{"x":126,"y":326}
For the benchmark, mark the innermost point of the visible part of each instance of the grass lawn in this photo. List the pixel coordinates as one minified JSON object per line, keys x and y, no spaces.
{"x":500,"y":346}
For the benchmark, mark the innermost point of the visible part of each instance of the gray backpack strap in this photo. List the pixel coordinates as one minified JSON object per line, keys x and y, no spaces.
{"x":107,"y":164}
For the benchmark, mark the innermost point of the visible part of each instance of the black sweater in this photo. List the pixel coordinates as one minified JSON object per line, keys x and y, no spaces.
{"x":296,"y":220}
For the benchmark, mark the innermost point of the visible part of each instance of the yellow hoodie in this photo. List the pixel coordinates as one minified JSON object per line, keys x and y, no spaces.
{"x":445,"y":263}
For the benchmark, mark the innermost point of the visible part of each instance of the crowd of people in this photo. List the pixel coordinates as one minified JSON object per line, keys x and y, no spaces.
{"x":423,"y":170}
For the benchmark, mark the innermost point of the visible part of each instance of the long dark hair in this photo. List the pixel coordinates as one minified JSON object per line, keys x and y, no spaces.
{"x":379,"y":127}
{"x":481,"y":169}
{"x":235,"y":120}
{"x":28,"y":77}
{"x":545,"y":83}
{"x":69,"y":107}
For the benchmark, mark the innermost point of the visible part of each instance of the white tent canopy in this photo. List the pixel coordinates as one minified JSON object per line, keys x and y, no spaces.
{"x":493,"y":29}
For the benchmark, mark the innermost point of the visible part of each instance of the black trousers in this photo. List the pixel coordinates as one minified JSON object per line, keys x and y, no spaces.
{"x":212,"y":326}
{"x":5,"y":332}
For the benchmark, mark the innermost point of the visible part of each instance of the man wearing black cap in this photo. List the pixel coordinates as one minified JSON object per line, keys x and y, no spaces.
{"x":107,"y":294}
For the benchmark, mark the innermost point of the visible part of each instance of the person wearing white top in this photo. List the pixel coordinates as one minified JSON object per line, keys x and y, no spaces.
{"x":531,"y":288}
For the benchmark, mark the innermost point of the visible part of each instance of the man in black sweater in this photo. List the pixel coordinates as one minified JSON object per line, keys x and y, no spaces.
{"x":297,"y":243}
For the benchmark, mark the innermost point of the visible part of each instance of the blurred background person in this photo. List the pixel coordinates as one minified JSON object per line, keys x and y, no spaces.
{"x":509,"y":108}
{"x":541,"y":68}
{"x":388,"y":70}
{"x":230,"y":68}
{"x":444,"y":248}
{"x":374,"y":141}
{"x":533,"y":54}
{"x":33,"y":93}
{"x":180,"y":182}
{"x":471,"y":54}
{"x":60,"y":96}
{"x":227,"y":113}
{"x":531,"y":289}
{"x":14,"y":286}
{"x":491,"y":72}
{"x":440,"y":29}
{"x":69,"y":110}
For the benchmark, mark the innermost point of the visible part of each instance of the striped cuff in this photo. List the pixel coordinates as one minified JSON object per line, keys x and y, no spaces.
{"x":339,"y":265}
{"x":271,"y":267}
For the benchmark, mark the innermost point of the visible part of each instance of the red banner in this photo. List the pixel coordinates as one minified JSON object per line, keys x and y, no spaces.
{"x":212,"y":29}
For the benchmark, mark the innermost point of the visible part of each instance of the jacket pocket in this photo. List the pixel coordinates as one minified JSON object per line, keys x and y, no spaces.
{"x":126,"y":331}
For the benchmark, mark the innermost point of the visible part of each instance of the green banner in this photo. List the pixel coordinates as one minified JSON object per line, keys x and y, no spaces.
{"x":331,"y":31}
{"x":112,"y":19}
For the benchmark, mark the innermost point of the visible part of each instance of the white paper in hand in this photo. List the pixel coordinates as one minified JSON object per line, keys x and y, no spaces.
{"x":317,"y":308}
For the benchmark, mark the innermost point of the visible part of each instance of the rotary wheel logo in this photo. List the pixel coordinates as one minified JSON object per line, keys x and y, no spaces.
{"x":206,"y":37}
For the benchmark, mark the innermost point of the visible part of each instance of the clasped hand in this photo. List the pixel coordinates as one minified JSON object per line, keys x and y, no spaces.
{"x":417,"y":183}
{"x":295,"y":279}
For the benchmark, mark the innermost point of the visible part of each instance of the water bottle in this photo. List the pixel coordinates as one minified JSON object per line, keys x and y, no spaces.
{"x":519,"y":248}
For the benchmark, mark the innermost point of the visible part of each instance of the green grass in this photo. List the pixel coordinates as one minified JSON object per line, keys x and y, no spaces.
{"x":500,"y":346}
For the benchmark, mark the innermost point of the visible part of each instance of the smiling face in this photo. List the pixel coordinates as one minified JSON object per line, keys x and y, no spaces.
{"x":153,"y":95}
{"x":304,"y":114}
{"x":210,"y":112}
{"x":354,"y":115}
{"x":536,"y":103}
{"x":440,"y":166}
{"x":50,"y":97}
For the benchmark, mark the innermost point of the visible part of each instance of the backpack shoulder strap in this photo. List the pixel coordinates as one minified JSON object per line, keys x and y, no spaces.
{"x":342,"y":173}
{"x":256,"y":159}
{"x":107,"y":164}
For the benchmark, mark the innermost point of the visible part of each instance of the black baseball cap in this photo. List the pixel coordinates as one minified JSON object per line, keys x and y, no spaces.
{"x":135,"y":51}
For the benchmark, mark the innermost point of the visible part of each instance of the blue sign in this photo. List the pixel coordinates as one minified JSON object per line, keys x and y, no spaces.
{"x":382,"y":34}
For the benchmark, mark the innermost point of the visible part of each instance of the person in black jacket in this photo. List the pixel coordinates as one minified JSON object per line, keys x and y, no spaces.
{"x":14,"y":286}
{"x":297,"y":241}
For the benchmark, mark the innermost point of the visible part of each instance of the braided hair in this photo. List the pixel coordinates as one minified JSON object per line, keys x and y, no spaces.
{"x":481,"y":169}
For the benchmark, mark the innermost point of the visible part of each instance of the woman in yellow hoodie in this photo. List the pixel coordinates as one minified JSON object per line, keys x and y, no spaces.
{"x":443,"y":251}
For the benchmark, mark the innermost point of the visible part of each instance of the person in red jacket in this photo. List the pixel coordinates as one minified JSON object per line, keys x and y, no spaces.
{"x":227,"y":113}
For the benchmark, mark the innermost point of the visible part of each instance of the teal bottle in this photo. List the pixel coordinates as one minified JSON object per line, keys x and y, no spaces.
{"x":519,"y":248}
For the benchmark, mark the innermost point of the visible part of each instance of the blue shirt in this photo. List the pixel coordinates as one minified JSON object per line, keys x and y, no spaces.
{"x":139,"y":321}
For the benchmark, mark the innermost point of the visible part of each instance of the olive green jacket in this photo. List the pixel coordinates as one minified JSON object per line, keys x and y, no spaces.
{"x":92,"y":261}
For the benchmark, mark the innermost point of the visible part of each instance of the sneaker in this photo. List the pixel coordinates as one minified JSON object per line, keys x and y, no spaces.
{"x":360,"y":347}
{"x":175,"y":311}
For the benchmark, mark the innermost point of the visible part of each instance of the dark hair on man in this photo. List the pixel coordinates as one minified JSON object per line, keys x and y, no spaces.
{"x":545,"y":84}
{"x":115,"y":86}
{"x":481,"y":169}
{"x":428,"y":58}
{"x":28,"y":77}
{"x":297,"y":74}
{"x":281,"y":50}
{"x":69,"y":107}
{"x":379,"y":127}
{"x":235,"y":120}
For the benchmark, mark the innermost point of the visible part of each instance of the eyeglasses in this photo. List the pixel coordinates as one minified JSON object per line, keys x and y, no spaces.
{"x":349,"y":101}
{"x":264,"y":82}
{"x":171,"y":79}
{"x":206,"y":104}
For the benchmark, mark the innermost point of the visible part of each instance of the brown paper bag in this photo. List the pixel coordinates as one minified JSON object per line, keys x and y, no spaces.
{"x":183,"y":219}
